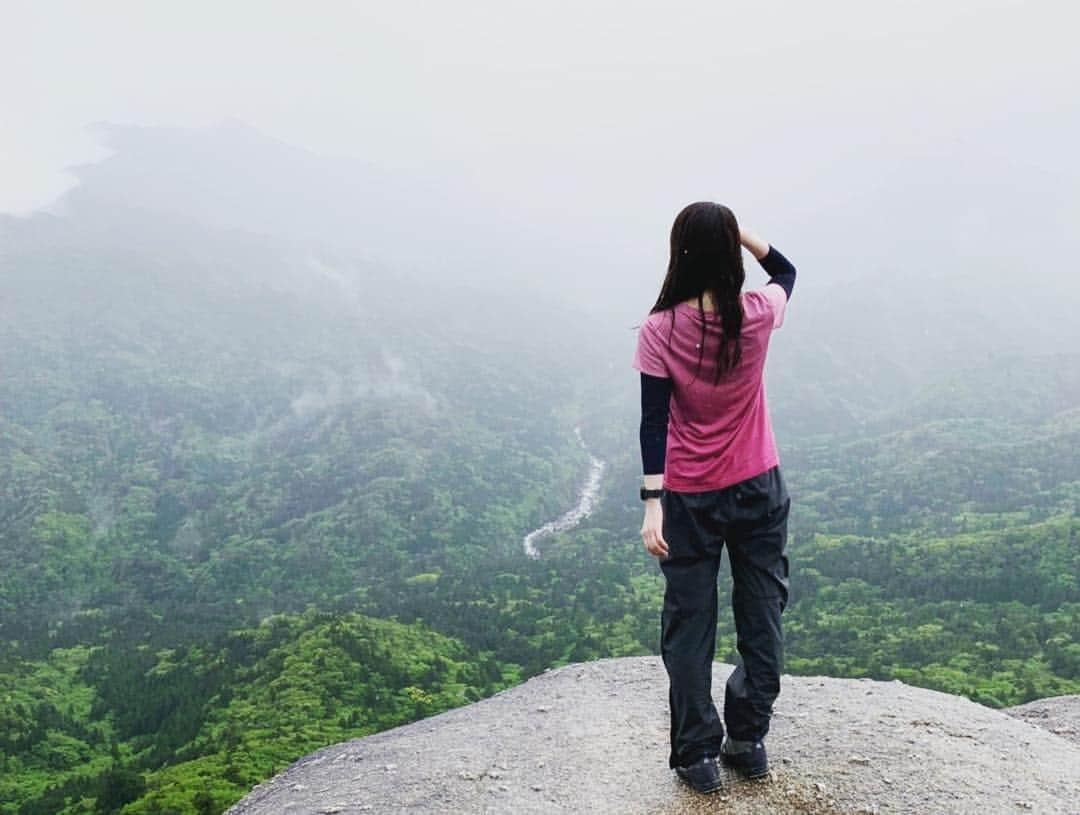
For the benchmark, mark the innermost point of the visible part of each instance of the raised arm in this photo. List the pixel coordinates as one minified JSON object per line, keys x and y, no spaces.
{"x":757,"y":247}
{"x":778,"y":267}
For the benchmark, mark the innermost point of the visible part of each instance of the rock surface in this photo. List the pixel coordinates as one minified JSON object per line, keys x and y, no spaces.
{"x":1058,"y":714}
{"x":593,"y":738}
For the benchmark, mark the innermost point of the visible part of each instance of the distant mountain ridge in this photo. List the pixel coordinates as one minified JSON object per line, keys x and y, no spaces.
{"x":860,"y":342}
{"x":233,"y":176}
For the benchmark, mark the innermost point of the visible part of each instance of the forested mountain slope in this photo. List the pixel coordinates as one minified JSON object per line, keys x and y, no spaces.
{"x":227,"y":457}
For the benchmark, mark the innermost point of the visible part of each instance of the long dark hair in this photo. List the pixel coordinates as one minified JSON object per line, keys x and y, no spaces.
{"x":706,"y":254}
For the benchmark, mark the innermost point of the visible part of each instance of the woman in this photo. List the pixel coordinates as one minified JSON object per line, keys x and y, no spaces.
{"x":713,"y":477}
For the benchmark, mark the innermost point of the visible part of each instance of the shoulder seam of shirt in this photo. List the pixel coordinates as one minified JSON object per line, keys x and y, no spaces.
{"x":649,"y":325}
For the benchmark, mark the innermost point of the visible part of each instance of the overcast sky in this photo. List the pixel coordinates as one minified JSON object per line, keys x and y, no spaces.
{"x":941,"y":121}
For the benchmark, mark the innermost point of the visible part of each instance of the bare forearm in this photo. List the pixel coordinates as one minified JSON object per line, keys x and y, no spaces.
{"x":778,"y":267}
{"x":756,"y":245}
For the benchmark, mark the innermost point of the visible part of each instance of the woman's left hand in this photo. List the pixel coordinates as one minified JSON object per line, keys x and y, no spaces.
{"x":652,"y":528}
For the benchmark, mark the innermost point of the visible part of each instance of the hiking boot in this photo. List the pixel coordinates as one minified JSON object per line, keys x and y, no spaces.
{"x":746,"y":757}
{"x":703,"y":775}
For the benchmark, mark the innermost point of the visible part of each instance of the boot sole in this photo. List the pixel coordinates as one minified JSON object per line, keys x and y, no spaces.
{"x":706,"y":791}
{"x":756,"y":772}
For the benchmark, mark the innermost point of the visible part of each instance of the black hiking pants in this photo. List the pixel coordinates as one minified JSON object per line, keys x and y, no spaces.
{"x":751,"y":518}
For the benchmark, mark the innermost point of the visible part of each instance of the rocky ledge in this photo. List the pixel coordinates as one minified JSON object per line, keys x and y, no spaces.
{"x":593,"y":738}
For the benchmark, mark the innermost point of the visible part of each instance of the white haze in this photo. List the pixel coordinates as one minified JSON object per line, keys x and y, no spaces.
{"x":552,"y":143}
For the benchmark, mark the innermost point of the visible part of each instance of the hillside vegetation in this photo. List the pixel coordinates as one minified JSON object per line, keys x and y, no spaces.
{"x":257,"y":496}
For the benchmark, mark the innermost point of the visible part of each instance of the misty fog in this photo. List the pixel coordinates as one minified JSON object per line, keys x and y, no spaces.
{"x":317,"y":413}
{"x":554,"y":145}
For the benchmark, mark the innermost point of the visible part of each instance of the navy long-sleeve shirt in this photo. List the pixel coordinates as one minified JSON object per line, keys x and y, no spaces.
{"x":656,"y":390}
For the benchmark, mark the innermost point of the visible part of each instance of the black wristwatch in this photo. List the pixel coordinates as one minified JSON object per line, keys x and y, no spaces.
{"x":651,"y":493}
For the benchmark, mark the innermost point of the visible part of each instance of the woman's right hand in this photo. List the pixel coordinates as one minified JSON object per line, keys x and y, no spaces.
{"x":652,"y":528}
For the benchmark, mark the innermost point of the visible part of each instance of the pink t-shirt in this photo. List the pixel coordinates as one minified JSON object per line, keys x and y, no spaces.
{"x":718,"y":435}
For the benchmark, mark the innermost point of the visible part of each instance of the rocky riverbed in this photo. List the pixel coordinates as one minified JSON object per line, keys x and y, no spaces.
{"x":590,"y":490}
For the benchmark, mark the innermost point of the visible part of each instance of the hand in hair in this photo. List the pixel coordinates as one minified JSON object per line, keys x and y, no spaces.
{"x":758,"y":247}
